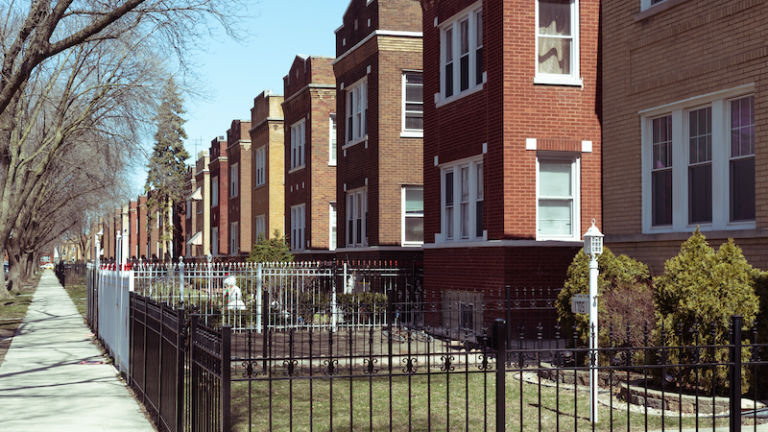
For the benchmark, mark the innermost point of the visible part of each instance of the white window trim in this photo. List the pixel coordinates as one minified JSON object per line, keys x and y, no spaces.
{"x":301,"y":126}
{"x":646,"y":4}
{"x":261,"y":165}
{"x":361,"y":84}
{"x":403,"y":242}
{"x":469,"y":12}
{"x":234,"y":180}
{"x":298,"y":221}
{"x":455,"y":166}
{"x":260,"y":220}
{"x":362,"y":194}
{"x":404,"y":132}
{"x":332,"y":222}
{"x":332,"y":137}
{"x":575,"y":159}
{"x":574,"y":78}
{"x":719,"y":101}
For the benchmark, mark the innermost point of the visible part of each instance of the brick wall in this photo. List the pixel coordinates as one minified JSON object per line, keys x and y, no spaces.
{"x":267,"y":130}
{"x":219,"y":167}
{"x":665,"y":55}
{"x":142,"y":222}
{"x":240,"y":206}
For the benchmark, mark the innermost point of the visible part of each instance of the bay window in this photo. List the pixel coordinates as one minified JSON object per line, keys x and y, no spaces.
{"x":261,"y":158}
{"x":298,"y":225}
{"x":462,"y":201}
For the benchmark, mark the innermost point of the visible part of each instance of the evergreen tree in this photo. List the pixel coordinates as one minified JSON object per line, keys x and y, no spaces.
{"x":167,"y":167}
{"x":273,"y":249}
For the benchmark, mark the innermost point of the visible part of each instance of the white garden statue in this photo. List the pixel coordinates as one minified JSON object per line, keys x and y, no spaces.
{"x":233,"y":297}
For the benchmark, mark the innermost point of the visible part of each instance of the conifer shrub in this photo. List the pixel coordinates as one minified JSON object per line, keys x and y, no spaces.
{"x":625,"y":300}
{"x":273,"y":249}
{"x":695,"y":298}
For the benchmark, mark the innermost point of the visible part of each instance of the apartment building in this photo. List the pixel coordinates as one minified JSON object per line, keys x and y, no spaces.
{"x":267,"y":141}
{"x":133,"y":230}
{"x":309,"y":110}
{"x":219,"y":167}
{"x":379,"y":106}
{"x":685,"y":126}
{"x":511,"y":149}
{"x":141,"y":219}
{"x":199,"y":205}
{"x":240,"y":187}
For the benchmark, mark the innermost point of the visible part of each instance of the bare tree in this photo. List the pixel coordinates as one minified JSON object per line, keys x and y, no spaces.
{"x":73,"y":67}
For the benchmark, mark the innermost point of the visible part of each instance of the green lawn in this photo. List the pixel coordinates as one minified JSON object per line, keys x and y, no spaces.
{"x":448,"y":401}
{"x":78,"y":293}
{"x":12,"y":313}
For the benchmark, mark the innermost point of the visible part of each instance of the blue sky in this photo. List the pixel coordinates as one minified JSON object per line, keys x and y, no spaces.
{"x":232,"y":73}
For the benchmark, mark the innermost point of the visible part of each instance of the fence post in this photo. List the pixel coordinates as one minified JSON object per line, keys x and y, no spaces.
{"x":194,"y":386}
{"x":508,"y":312}
{"x":334,"y":318}
{"x":259,"y":292}
{"x":181,"y":280}
{"x":226,"y":351}
{"x":180,"y":324}
{"x":735,"y":374}
{"x":499,"y":335}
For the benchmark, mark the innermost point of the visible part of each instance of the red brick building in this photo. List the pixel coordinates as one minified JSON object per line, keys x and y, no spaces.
{"x":133,"y":223}
{"x":511,"y":148}
{"x":240,"y":188}
{"x":219,"y":167}
{"x":685,"y":126}
{"x":309,"y":110}
{"x":379,"y":102}
{"x":141,"y":219}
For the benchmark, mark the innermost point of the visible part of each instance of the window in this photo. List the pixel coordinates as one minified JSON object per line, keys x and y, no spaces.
{"x":233,"y":180}
{"x":557,"y":42}
{"x":357,"y":217}
{"x":357,"y":112}
{"x":645,"y":4}
{"x":413,"y":215}
{"x":297,"y":145}
{"x":413,"y":103}
{"x":234,"y":236}
{"x":198,"y":207}
{"x":189,"y":209}
{"x":215,"y":241}
{"x":467,"y":316}
{"x":214,"y":191}
{"x":332,"y":140}
{"x":260,"y":227}
{"x":557,"y":212}
{"x":332,"y":226}
{"x":461,"y":56}
{"x":261,"y":177}
{"x":698,"y":163}
{"x":297,"y":227}
{"x":462,"y":201}
{"x":742,"y":159}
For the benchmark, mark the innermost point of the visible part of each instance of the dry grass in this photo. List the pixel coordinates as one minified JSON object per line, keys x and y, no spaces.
{"x":12,"y":313}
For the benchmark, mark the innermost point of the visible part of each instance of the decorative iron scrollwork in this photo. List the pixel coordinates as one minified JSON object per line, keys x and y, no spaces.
{"x":410,"y":365}
{"x":331,"y":366}
{"x":370,"y":364}
{"x":447,"y":365}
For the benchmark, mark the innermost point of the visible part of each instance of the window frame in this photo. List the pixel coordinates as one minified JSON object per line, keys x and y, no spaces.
{"x":234,"y":180}
{"x":404,"y":131}
{"x":575,"y":161}
{"x":298,"y":226}
{"x":297,"y":159}
{"x":260,"y":226}
{"x":455,"y":167}
{"x":332,"y":225}
{"x":404,"y":216}
{"x":234,"y":238}
{"x":215,"y":191}
{"x":356,"y":109}
{"x":574,"y":78}
{"x":720,"y":102}
{"x":453,"y":24}
{"x":260,"y":156}
{"x":359,"y":195}
{"x":647,"y":4}
{"x":189,"y":208}
{"x":332,"y":139}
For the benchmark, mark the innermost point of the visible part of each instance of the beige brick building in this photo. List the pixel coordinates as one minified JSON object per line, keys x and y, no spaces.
{"x":268,"y":198}
{"x":685,"y":125}
{"x":240,"y":188}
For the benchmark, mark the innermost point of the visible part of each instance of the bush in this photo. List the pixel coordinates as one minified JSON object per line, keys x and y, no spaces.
{"x":761,"y":290}
{"x":624,"y":298}
{"x":700,"y":290}
{"x":273,"y":249}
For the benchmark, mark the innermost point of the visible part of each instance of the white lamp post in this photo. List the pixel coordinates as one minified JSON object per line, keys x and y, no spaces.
{"x":593,"y":246}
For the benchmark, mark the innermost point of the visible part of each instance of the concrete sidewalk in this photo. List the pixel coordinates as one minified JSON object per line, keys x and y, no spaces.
{"x":52,"y":378}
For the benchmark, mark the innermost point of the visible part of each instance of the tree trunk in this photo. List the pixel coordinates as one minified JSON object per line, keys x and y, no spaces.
{"x":14,"y":272}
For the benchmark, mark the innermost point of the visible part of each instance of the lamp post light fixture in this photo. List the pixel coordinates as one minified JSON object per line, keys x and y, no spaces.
{"x":593,"y":246}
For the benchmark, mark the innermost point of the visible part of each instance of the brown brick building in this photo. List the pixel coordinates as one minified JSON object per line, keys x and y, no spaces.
{"x":268,"y":198}
{"x":684,"y":138}
{"x":310,"y":163}
{"x":379,"y":116}
{"x":219,"y":168}
{"x":198,"y":216}
{"x":511,"y":148}
{"x":240,"y":187}
{"x":143,"y":242}
{"x":133,"y":223}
